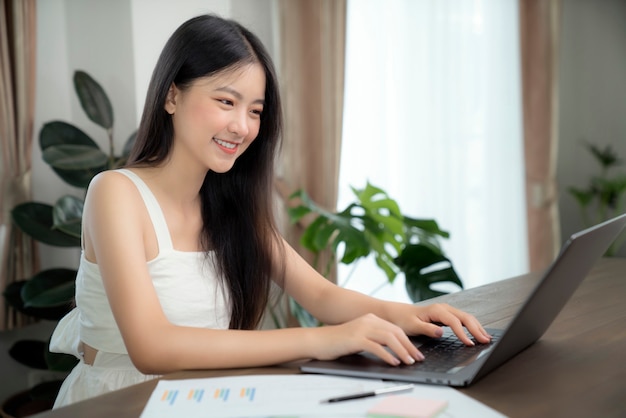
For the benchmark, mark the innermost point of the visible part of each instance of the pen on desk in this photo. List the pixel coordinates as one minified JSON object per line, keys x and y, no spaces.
{"x":381,"y":391}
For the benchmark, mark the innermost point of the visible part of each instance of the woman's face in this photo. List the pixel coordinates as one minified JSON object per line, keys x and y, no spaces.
{"x":217,"y":118}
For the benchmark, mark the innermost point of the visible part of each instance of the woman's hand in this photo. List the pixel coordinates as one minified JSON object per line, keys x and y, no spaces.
{"x":426,"y":320}
{"x":366,"y":333}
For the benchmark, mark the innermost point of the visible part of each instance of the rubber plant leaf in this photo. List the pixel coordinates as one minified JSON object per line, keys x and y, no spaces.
{"x":59,"y":133}
{"x":67,"y":215}
{"x":37,"y":221}
{"x":93,"y":100}
{"x":13,"y":296}
{"x":52,"y":287}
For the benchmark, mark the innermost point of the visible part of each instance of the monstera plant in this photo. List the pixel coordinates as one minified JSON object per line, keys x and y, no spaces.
{"x":75,"y":158}
{"x":373,"y":224}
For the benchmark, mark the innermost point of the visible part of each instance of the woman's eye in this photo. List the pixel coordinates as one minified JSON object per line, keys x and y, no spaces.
{"x":226,"y":102}
{"x":257,"y":112}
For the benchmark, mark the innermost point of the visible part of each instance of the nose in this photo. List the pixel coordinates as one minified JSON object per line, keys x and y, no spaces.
{"x":238,"y":125}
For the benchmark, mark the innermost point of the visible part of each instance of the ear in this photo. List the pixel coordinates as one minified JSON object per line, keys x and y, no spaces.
{"x":170,"y":99}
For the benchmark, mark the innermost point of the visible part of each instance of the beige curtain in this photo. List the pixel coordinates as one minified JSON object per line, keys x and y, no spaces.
{"x":311,"y":70}
{"x":539,"y":33}
{"x":18,"y":257}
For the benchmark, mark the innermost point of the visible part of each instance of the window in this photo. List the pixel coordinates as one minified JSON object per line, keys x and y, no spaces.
{"x":432,"y":114}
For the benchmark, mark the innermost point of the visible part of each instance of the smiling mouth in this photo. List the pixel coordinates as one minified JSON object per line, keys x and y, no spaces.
{"x":225,"y":145}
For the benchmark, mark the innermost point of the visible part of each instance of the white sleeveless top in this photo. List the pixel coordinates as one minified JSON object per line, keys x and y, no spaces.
{"x":185,"y":282}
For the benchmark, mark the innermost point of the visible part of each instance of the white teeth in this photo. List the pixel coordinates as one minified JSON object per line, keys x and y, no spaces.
{"x":225,"y":144}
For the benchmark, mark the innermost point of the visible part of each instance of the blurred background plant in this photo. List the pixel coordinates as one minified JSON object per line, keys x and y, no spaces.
{"x":604,"y":197}
{"x":76,"y":159}
{"x":373,"y":224}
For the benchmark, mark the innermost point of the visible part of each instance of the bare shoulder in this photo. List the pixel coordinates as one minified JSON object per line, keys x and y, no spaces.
{"x":109,"y":179}
{"x":114,"y":193}
{"x":109,"y":185}
{"x":113,"y":209}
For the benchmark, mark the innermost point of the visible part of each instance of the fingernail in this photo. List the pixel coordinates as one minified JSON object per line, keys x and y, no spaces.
{"x":420,"y":356}
{"x":410,"y":360}
{"x":438,"y":332}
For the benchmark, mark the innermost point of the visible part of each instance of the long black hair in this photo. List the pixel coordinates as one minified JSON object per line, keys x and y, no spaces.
{"x":237,"y":213}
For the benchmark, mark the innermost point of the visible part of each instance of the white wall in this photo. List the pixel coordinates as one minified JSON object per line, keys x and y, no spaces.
{"x":592,"y":95}
{"x":117,"y":42}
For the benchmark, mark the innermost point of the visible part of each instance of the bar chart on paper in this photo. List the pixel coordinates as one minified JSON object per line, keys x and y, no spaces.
{"x":198,"y":395}
{"x":256,"y":395}
{"x":287,"y":395}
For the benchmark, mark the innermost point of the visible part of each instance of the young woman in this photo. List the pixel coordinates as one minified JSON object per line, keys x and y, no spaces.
{"x":180,"y":247}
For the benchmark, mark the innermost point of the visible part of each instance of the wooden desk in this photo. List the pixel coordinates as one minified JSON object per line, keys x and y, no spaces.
{"x":577,"y":369}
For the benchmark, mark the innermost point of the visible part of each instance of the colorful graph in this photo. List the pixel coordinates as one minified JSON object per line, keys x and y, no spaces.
{"x":221,"y":394}
{"x":246,"y":394}
{"x":169,"y":396}
{"x":195,"y":395}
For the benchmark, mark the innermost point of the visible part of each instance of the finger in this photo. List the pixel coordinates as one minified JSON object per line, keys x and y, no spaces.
{"x":457,"y":320}
{"x":477,"y":330}
{"x":474,"y":330}
{"x":447,"y":315}
{"x":402,"y":346}
{"x":379,"y":351}
{"x":472,"y":325}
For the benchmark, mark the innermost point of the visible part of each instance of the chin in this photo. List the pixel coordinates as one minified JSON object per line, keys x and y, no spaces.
{"x":221,"y":169}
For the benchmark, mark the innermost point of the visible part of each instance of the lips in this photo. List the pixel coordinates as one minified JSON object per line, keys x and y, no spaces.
{"x":228,"y":147}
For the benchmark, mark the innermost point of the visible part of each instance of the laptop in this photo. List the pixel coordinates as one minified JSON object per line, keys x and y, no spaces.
{"x":450,"y":362}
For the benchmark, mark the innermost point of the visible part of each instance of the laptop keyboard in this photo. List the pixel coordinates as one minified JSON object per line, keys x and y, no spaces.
{"x":446,"y":353}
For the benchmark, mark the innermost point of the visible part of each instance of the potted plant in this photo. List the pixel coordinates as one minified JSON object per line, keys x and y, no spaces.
{"x":374,"y":224}
{"x":604,"y":197}
{"x":49,"y":294}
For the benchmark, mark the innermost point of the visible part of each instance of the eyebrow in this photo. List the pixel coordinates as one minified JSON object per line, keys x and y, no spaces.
{"x":237,"y":94}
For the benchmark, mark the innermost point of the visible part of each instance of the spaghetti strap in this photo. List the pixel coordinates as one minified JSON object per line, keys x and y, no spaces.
{"x":154,"y":210}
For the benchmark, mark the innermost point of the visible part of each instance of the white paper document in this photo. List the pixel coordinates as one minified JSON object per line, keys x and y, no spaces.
{"x":297,"y":395}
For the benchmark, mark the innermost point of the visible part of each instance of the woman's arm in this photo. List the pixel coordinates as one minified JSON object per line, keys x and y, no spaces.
{"x":115,"y":232}
{"x":333,"y":305}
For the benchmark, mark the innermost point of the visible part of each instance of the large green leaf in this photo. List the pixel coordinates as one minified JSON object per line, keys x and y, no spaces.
{"x":418,"y":285}
{"x":49,"y":288}
{"x":13,"y":295}
{"x":423,"y":266}
{"x":74,"y":157}
{"x":375,"y":224}
{"x":58,"y":133}
{"x":421,"y":226}
{"x":78,"y":178}
{"x":330,"y":232}
{"x":93,"y":100}
{"x":36,"y":220}
{"x":67,"y":215}
{"x":62,"y":133}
